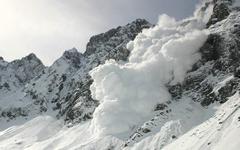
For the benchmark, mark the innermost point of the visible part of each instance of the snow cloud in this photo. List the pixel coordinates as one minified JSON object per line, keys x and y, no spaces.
{"x":129,"y":92}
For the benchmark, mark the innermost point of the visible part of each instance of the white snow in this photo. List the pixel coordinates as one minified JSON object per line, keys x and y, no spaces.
{"x":223,"y":127}
{"x":128,"y":93}
{"x":222,"y":84}
{"x":220,"y":132}
{"x":47,"y":133}
{"x":185,"y":114}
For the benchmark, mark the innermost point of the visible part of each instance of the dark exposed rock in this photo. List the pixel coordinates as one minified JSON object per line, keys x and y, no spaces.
{"x":12,"y":113}
{"x":237,"y":72}
{"x":6,"y":85}
{"x":69,"y":90}
{"x":146,"y":130}
{"x":160,"y":107}
{"x":220,"y":11}
{"x":73,"y":57}
{"x":175,"y":91}
{"x":228,"y":90}
{"x":112,"y":44}
{"x":174,"y":136}
{"x":220,"y":59}
{"x":210,"y":49}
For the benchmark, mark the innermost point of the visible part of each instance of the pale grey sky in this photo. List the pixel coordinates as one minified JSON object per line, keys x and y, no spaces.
{"x":48,"y":27}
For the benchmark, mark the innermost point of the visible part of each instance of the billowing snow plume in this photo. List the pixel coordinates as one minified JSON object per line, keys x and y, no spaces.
{"x":129,"y":92}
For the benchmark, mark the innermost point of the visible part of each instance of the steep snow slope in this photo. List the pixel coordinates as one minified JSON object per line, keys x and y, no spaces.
{"x":213,"y":79}
{"x":222,"y":127}
{"x":13,"y":77}
{"x":47,"y":133}
{"x":220,"y":132}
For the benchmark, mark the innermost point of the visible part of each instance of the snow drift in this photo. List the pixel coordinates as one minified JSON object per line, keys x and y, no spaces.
{"x":129,"y":92}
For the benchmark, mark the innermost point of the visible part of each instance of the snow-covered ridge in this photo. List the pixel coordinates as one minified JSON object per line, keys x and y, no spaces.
{"x":62,"y":89}
{"x":19,"y":72}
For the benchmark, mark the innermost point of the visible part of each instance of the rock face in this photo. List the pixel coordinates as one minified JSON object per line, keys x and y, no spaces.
{"x":63,"y":89}
{"x":28,"y":88}
{"x":221,"y":11}
{"x":220,"y":60}
{"x":13,"y":77}
{"x":102,"y":47}
{"x":19,"y":72}
{"x":213,"y":79}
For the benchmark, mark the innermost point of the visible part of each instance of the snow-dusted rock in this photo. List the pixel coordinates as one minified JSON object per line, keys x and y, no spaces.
{"x":179,"y":89}
{"x":63,"y":89}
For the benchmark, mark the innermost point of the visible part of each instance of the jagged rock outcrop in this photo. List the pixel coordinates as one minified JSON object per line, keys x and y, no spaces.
{"x":102,"y":47}
{"x":13,"y":77}
{"x":63,"y":89}
{"x":214,"y":78}
{"x":19,"y":72}
{"x":221,"y":11}
{"x":220,"y":59}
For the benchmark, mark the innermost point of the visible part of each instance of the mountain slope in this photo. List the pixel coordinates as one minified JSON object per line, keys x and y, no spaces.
{"x":63,"y":89}
{"x":13,"y":77}
{"x":217,"y":133}
{"x":174,"y":85}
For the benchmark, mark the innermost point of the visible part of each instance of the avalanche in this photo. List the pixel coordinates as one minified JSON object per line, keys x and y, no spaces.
{"x":129,"y":92}
{"x":154,"y":99}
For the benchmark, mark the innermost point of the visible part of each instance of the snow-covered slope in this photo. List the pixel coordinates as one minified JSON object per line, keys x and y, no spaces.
{"x":219,"y":132}
{"x":17,"y":73}
{"x":13,"y":77}
{"x":171,"y":86}
{"x":63,"y":89}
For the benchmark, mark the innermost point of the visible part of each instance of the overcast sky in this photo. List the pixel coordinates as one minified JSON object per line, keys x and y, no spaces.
{"x":48,"y":27}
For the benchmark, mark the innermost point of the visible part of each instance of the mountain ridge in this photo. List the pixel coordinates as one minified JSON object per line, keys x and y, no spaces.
{"x":138,"y":87}
{"x":56,"y":88}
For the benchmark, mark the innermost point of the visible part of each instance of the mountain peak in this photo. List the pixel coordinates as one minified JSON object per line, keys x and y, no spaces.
{"x":73,"y":56}
{"x":71,"y":53}
{"x":30,"y":59}
{"x":31,"y":56}
{"x":115,"y":36}
{"x":141,"y":22}
{"x":73,"y":50}
{"x":221,"y":10}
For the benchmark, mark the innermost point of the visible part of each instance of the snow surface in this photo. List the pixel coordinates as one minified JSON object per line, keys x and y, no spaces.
{"x":215,"y":129}
{"x":128,"y":94}
{"x":47,"y":133}
{"x":222,"y":84}
{"x":220,"y":132}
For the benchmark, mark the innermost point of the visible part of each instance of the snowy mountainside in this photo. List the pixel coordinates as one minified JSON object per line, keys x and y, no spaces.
{"x":17,"y":73}
{"x":171,"y":86}
{"x":62,"y":89}
{"x":212,"y":81}
{"x":13,"y":77}
{"x":217,"y":133}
